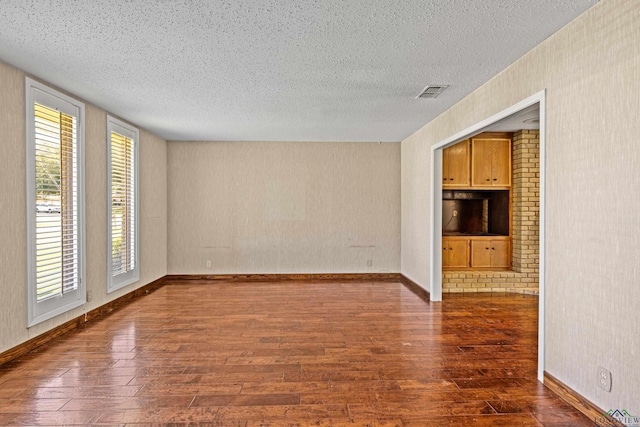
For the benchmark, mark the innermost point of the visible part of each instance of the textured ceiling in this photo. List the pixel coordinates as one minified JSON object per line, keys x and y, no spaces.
{"x":322,"y":70}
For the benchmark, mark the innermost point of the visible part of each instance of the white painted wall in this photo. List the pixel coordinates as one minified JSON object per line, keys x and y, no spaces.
{"x":13,"y":251}
{"x":591,"y":72}
{"x":284,"y":207}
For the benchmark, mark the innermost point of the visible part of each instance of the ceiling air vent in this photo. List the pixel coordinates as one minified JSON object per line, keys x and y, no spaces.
{"x":432,"y":91}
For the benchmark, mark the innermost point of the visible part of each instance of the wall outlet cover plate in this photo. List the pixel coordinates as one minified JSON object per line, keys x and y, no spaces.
{"x":604,"y":378}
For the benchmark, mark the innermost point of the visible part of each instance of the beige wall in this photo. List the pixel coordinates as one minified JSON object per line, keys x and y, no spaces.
{"x":13,"y":267}
{"x":283,"y":207}
{"x":591,"y":71}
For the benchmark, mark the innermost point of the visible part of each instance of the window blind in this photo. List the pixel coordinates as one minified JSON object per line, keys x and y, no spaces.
{"x":123,"y":215}
{"x":56,"y":177}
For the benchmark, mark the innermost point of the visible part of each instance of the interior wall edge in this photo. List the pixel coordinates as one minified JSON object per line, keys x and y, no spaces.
{"x":13,"y":254}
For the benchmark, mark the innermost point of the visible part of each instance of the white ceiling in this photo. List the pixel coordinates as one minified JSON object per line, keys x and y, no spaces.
{"x":528,"y":118}
{"x":307,"y":70}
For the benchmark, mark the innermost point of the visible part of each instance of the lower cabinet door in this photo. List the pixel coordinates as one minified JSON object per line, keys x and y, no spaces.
{"x":481,"y":253}
{"x":490,"y":253}
{"x":500,"y":251}
{"x":455,"y":253}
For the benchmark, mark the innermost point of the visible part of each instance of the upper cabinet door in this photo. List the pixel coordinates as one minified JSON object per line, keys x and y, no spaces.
{"x":490,"y":162}
{"x":481,"y":162}
{"x":501,"y":162}
{"x":456,"y":165}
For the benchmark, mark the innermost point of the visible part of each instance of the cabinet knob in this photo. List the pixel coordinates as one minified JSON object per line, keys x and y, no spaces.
{"x":488,"y":179}
{"x":493,"y":249}
{"x":450,"y":249}
{"x":444,"y":249}
{"x":451,"y":179}
{"x":487,"y":248}
{"x":495,"y":179}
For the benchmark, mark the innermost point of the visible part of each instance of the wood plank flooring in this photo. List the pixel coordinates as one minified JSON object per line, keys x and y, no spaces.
{"x":292,"y":354}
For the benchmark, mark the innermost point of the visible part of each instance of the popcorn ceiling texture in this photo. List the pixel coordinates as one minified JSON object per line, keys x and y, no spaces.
{"x":274,"y":70}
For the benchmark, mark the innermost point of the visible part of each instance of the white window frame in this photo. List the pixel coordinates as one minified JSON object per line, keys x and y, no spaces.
{"x":38,"y":312}
{"x":121,"y":280}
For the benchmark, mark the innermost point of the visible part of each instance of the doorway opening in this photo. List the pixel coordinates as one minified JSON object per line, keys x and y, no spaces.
{"x":531,"y":109}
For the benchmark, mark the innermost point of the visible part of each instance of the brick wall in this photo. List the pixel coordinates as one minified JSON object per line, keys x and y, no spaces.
{"x":526,"y":202}
{"x":525,"y":228}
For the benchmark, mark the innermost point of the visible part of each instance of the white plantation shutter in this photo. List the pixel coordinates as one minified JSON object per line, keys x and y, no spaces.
{"x":123,"y":205}
{"x":54,"y":203}
{"x":57,"y":270}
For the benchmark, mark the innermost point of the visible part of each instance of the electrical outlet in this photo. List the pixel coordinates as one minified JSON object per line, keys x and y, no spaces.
{"x":604,"y":379}
{"x":369,"y":262}
{"x":208,"y":264}
{"x":455,"y":212}
{"x":89,"y":296}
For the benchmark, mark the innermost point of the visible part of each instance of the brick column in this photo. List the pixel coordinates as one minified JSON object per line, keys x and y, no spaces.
{"x":526,"y":202}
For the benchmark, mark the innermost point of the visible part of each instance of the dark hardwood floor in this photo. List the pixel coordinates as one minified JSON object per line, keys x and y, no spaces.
{"x":292,"y":354}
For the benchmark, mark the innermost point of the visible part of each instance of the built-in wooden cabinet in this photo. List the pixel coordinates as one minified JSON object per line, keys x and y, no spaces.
{"x":476,"y":253}
{"x":456,"y":165}
{"x":490,"y":162}
{"x":491,"y":253}
{"x":455,"y":253}
{"x":480,"y":166}
{"x":480,"y":162}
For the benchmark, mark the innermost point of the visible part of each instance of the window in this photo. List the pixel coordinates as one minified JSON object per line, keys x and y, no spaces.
{"x":122,"y":200}
{"x":55,"y":202}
